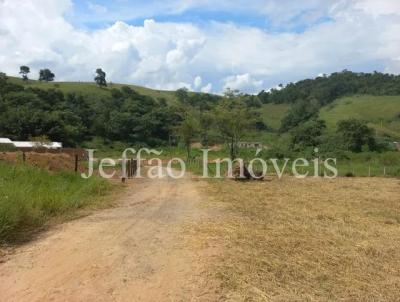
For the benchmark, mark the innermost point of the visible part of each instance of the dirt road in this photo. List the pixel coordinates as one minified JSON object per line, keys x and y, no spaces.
{"x":133,"y":252}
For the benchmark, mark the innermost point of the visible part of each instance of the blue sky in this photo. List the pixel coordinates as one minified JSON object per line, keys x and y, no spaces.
{"x":100,"y":14}
{"x":204,"y":45}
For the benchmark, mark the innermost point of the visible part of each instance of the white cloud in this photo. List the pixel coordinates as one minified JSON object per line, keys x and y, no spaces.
{"x":360,"y":36}
{"x":378,"y":8}
{"x":207,"y":88}
{"x":197,"y":82}
{"x":242,"y":82}
{"x":96,"y":8}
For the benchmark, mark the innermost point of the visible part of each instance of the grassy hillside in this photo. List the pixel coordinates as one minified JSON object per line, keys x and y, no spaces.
{"x":92,"y":89}
{"x":381,"y":112}
{"x":273,"y":114}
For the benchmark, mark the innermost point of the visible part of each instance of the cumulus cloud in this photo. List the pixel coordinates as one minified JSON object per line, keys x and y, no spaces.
{"x":197,"y":82}
{"x":242,"y":82}
{"x":359,"y":35}
{"x":207,"y":88}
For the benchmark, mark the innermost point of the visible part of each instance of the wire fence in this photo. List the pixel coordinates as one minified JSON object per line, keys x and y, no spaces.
{"x":343,"y":169}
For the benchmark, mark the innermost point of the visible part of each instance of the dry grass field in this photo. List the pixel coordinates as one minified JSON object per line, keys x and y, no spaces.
{"x":305,"y":240}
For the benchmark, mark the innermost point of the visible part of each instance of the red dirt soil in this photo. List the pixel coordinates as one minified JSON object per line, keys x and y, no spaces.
{"x":47,"y":161}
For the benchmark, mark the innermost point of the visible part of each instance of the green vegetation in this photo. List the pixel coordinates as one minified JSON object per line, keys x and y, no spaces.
{"x":380,"y":112}
{"x":77,"y":119}
{"x":92,"y":89}
{"x":325,"y":89}
{"x":29,"y":197}
{"x":24,"y":71}
{"x":367,"y":164}
{"x":324,"y":113}
{"x":100,"y":78}
{"x":46,"y":75}
{"x":273,"y":114}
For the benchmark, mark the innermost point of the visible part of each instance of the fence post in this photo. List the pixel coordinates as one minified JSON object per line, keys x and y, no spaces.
{"x":23,"y":157}
{"x":384,"y":171}
{"x":123,"y":168}
{"x":134,"y":166}
{"x":369,"y":171}
{"x":76,"y":163}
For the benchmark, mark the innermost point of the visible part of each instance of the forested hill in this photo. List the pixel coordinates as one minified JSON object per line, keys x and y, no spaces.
{"x":86,"y":88}
{"x":307,"y":97}
{"x":325,"y":89}
{"x":78,"y":113}
{"x":74,"y":113}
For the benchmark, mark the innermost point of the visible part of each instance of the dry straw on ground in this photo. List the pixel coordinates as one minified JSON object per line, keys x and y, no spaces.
{"x":306,"y":240}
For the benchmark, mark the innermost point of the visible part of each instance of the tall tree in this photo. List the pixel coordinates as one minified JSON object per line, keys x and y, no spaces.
{"x":187,"y":130}
{"x":307,"y":134}
{"x":355,"y":134}
{"x":100,"y":78}
{"x":46,"y":75}
{"x":233,"y":119}
{"x":23,"y":71}
{"x":206,"y":120}
{"x":182,"y":94}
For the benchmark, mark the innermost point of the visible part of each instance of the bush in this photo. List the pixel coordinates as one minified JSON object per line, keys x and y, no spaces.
{"x":390,"y":158}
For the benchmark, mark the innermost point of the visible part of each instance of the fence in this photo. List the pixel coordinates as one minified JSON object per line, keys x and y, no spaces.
{"x":76,"y":154}
{"x":344,"y":169}
{"x":131,"y":166}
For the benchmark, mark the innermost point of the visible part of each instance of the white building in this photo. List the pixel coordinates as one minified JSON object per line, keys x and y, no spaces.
{"x":5,"y":140}
{"x":22,"y":145}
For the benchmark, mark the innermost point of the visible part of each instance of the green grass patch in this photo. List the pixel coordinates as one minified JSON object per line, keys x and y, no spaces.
{"x":29,"y":197}
{"x":91,"y":89}
{"x":381,"y":112}
{"x":359,"y":165}
{"x":273,"y":114}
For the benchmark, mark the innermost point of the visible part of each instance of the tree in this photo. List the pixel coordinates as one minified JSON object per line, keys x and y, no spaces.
{"x":233,"y":120}
{"x":307,"y":134}
{"x":187,"y":130}
{"x":3,"y":78}
{"x":46,"y":75}
{"x":100,"y":78}
{"x":300,"y":112}
{"x":23,"y":71}
{"x":206,"y":120}
{"x":355,"y":134}
{"x":182,"y":94}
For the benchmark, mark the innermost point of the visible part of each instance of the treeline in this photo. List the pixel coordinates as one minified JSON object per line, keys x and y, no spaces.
{"x":124,"y":116}
{"x":73,"y":119}
{"x":325,"y":89}
{"x":131,"y":118}
{"x":308,"y":96}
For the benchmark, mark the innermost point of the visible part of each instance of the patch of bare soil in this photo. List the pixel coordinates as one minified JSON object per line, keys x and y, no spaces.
{"x":47,"y":161}
{"x":137,"y":251}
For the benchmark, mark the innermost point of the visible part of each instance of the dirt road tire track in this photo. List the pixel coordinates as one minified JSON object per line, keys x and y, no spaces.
{"x":133,"y":252}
